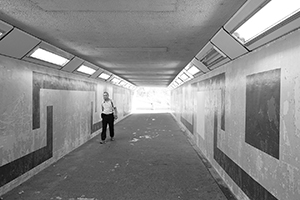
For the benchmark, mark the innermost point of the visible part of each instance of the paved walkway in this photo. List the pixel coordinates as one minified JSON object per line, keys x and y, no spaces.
{"x":151,"y":159}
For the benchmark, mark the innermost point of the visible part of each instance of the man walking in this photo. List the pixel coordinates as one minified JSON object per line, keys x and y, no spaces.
{"x":108,"y":116}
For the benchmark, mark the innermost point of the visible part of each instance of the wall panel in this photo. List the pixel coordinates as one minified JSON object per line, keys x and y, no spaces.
{"x":249,"y":111}
{"x":45,"y":114}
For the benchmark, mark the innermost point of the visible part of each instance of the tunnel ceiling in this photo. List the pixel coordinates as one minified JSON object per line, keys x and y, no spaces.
{"x":147,"y":42}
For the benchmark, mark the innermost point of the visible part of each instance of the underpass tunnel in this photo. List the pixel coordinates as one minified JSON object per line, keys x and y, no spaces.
{"x":207,"y":96}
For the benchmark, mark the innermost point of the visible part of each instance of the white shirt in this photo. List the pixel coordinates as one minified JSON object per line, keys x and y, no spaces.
{"x":107,"y":107}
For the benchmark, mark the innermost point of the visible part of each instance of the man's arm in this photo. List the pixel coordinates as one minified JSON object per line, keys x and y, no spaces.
{"x":115,"y":110}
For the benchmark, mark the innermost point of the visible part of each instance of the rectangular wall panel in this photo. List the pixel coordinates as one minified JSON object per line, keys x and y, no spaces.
{"x":252,"y":120}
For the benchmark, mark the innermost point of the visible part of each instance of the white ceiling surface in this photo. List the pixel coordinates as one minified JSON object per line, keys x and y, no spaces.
{"x":146,"y":42}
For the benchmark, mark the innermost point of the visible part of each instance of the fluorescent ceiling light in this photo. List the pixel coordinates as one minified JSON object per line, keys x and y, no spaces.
{"x":86,"y":70}
{"x":104,"y":76}
{"x":178,"y":81}
{"x":115,"y":80}
{"x":273,"y":13}
{"x":184,"y":76}
{"x":47,"y":56}
{"x":123,"y":83}
{"x":193,"y":70}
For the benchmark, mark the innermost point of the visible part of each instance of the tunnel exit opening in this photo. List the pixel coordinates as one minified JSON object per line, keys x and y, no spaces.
{"x":151,"y":100}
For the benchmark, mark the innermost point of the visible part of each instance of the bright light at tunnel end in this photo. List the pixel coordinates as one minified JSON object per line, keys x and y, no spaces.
{"x":272,"y":14}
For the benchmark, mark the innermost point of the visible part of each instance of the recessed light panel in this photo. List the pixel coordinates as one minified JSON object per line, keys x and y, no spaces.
{"x":178,"y":81}
{"x":193,"y":70}
{"x":272,"y":14}
{"x":123,"y":83}
{"x":104,"y":76}
{"x":49,"y":57}
{"x":184,"y":76}
{"x":86,"y":70}
{"x":115,"y":80}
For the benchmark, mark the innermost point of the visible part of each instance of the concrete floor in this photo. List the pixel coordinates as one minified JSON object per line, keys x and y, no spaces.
{"x":151,"y":158}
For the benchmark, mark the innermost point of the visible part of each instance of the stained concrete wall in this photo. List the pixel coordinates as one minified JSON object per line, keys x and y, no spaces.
{"x":45,"y":114}
{"x":244,"y":117}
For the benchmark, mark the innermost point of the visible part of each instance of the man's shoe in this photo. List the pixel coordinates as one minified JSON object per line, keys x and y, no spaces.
{"x":102,"y":142}
{"x":112,"y":139}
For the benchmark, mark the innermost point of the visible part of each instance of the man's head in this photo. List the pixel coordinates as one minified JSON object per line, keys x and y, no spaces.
{"x":105,"y":95}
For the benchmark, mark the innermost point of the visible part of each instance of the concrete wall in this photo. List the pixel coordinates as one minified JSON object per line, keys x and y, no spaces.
{"x":245,"y":118}
{"x":45,"y":114}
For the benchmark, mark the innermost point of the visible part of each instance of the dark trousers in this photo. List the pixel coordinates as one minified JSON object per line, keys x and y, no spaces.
{"x":107,"y":119}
